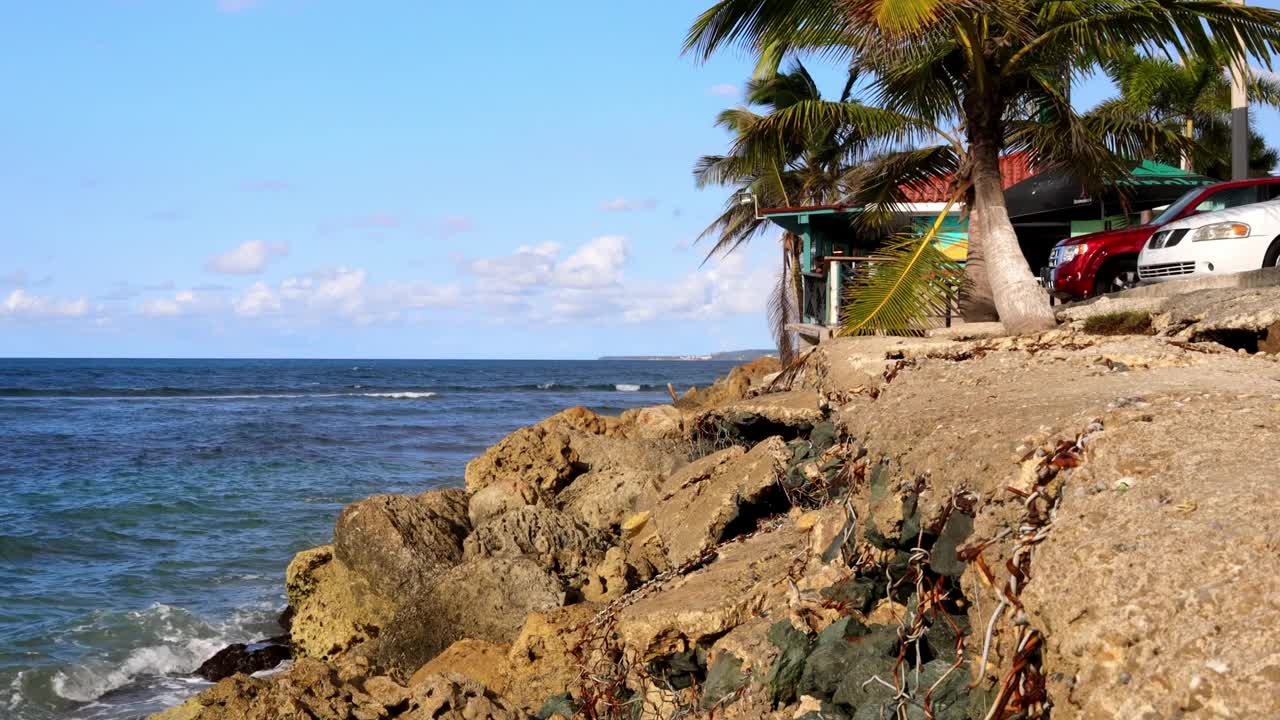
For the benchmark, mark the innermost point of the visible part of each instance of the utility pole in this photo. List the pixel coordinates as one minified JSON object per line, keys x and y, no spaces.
{"x":1239,"y":115}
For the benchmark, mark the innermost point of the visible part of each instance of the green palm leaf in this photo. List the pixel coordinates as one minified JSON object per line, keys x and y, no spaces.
{"x":910,"y":281}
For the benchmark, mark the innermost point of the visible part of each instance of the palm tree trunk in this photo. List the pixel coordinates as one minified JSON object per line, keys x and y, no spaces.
{"x":976,"y":303}
{"x":1022,"y":304}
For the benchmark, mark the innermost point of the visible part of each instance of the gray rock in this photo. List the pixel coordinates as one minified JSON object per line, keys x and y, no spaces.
{"x":557,"y":542}
{"x":483,"y":599}
{"x":784,"y":677}
{"x":724,"y":678}
{"x":942,"y":557}
{"x":396,"y":541}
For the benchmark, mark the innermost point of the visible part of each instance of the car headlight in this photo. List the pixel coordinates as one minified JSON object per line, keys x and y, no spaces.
{"x":1221,"y":231}
{"x":1067,"y":253}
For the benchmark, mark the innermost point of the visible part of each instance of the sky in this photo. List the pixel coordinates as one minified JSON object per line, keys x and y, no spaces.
{"x":406,"y":178}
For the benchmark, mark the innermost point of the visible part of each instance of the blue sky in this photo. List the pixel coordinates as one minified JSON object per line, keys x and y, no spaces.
{"x":297,"y":178}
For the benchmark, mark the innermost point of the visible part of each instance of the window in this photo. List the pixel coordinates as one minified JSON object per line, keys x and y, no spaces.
{"x":1270,"y":191}
{"x":1229,"y":198}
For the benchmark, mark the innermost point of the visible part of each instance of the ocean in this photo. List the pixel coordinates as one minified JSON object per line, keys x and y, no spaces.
{"x":148,"y":508}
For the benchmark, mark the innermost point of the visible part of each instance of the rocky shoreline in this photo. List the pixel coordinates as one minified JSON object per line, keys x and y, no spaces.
{"x":1061,"y":525}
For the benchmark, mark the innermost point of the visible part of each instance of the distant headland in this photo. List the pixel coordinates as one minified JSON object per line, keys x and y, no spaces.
{"x":730,"y":355}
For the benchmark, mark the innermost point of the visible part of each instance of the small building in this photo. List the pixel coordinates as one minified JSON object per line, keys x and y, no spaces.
{"x":1044,"y":207}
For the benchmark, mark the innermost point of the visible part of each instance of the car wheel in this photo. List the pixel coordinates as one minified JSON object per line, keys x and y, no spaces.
{"x":1272,"y":258}
{"x":1116,"y":276}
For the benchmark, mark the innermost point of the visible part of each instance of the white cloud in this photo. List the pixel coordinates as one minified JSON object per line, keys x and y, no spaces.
{"x":528,"y":266}
{"x":247,"y":258}
{"x":723,"y":90}
{"x":179,"y":304}
{"x":596,"y":264}
{"x":20,"y":303}
{"x":342,"y":293}
{"x":622,"y":204}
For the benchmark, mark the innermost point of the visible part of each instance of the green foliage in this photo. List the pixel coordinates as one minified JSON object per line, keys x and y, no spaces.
{"x":1129,"y":322}
{"x":910,"y":281}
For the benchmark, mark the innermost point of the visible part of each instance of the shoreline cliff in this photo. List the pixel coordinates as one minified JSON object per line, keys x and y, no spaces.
{"x":1069,"y":524}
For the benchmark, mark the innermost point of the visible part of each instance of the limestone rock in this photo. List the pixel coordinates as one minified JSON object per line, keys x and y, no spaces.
{"x":694,"y":508}
{"x":483,"y":599}
{"x":541,"y":660}
{"x":396,"y":541}
{"x":603,"y":498}
{"x":584,"y":420}
{"x":555,"y":540}
{"x":610,"y":579}
{"x":481,"y":661}
{"x":660,"y":422}
{"x":449,"y":696}
{"x":500,"y":497}
{"x":335,"y":608}
{"x":540,"y":455}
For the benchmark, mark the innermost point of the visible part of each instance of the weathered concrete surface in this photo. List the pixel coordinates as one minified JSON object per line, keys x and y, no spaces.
{"x":1142,"y":591}
{"x":792,"y":413}
{"x":694,"y":507}
{"x":395,"y":541}
{"x":745,"y":579}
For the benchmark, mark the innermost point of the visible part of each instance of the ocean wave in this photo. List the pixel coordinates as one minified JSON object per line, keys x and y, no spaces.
{"x":626,"y":387}
{"x":161,"y":641}
{"x":400,"y":395}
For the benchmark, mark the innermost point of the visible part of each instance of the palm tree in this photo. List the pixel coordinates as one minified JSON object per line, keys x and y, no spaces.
{"x":797,"y":168}
{"x":1193,"y":98}
{"x":991,"y":76}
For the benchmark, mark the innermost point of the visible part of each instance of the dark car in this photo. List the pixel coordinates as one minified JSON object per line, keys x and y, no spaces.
{"x":1102,"y":262}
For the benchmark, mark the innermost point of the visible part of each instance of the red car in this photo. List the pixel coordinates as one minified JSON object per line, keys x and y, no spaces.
{"x":1102,"y":262}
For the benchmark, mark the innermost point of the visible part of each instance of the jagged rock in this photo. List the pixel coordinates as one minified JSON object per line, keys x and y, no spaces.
{"x":847,"y":649}
{"x":610,"y":579}
{"x":749,"y":643}
{"x":500,"y":497}
{"x":396,"y":541}
{"x":449,"y":696}
{"x":483,"y":599}
{"x":542,"y":659}
{"x":584,"y":420}
{"x":790,"y":415}
{"x":540,"y":455}
{"x":745,"y":578}
{"x":556,"y":541}
{"x":481,"y":661}
{"x":619,"y":472}
{"x":335,"y":608}
{"x":603,"y":498}
{"x":242,"y":658}
{"x":695,"y":507}
{"x":660,"y":422}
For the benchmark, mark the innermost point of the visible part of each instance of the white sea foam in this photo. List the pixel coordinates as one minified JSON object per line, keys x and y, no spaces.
{"x":172,"y":642}
{"x":401,"y":395}
{"x":546,"y":386}
{"x":625,"y":387}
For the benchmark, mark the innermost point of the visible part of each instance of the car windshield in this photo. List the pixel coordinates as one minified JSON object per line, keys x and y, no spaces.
{"x":1173,"y":210}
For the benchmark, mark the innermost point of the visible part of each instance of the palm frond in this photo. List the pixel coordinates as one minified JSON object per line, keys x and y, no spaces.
{"x":910,"y":280}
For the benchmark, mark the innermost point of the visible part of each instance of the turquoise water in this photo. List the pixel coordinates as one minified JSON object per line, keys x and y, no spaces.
{"x":149,"y":507}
